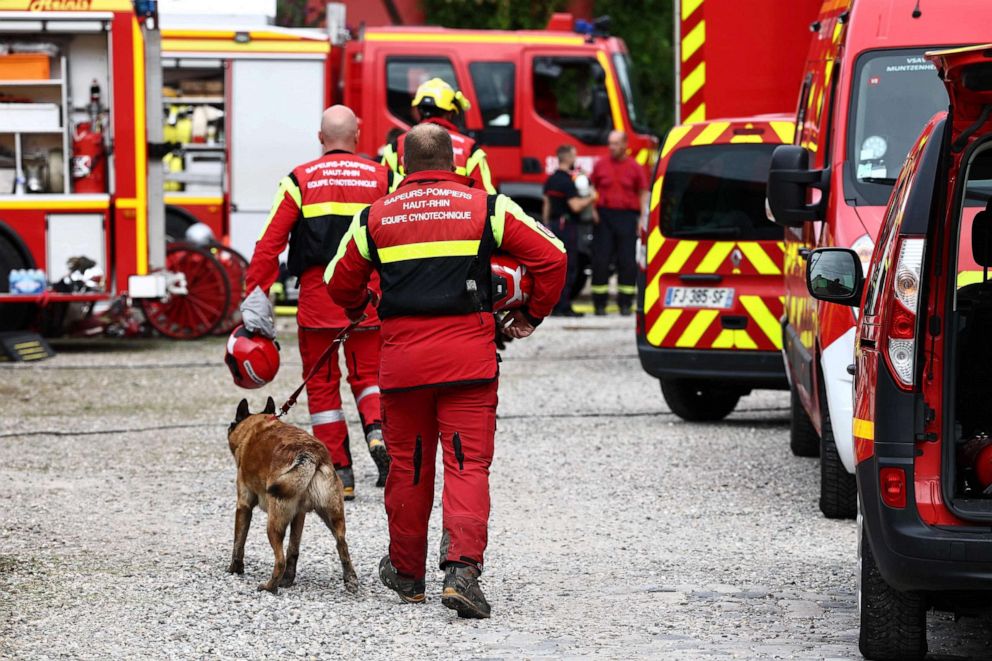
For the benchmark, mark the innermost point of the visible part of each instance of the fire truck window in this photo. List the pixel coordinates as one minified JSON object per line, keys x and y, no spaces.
{"x":895,"y":94}
{"x":718,"y":192}
{"x":571,"y":94}
{"x":494,"y":85}
{"x":405,"y":74}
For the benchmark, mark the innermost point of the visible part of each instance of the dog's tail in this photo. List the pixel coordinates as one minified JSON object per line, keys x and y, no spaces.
{"x":295,"y":479}
{"x":323,"y":487}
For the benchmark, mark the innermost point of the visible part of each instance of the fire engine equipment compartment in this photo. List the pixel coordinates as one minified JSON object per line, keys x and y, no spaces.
{"x":971,"y":386}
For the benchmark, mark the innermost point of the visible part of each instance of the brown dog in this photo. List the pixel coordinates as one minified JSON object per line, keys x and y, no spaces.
{"x":286,"y":472}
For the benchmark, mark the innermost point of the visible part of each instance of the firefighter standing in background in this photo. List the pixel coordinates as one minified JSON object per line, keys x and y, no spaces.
{"x":430,"y":242}
{"x":311,"y":212}
{"x":622,"y":187}
{"x":436,"y":102}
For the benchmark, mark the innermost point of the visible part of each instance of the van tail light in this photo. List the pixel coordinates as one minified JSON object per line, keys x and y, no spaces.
{"x":892,"y":485}
{"x":900,"y":315}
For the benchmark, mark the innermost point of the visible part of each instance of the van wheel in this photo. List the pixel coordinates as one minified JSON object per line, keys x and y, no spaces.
{"x":697,"y":401}
{"x":803,"y":439}
{"x":893,"y":623}
{"x":838,"y":488}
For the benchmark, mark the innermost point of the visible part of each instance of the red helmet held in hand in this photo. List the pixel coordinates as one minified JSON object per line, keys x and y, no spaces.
{"x":512,"y":284}
{"x":252,"y":359}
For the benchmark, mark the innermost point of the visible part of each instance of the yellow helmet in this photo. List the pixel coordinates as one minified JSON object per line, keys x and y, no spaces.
{"x":439,"y":94}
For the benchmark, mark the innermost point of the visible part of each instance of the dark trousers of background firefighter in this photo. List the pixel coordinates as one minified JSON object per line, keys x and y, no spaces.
{"x":568,"y":233}
{"x":614,"y":239}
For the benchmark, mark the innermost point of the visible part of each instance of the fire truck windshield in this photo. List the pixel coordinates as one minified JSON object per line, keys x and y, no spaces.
{"x":895,"y":93}
{"x":718,"y":192}
{"x":627,"y":76}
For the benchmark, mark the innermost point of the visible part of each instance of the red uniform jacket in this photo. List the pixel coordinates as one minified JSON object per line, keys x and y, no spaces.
{"x":311,"y":213}
{"x":423,"y":239}
{"x":470,"y":159}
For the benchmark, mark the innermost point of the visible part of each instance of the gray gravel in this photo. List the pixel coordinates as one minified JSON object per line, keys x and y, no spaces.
{"x":617,"y":530}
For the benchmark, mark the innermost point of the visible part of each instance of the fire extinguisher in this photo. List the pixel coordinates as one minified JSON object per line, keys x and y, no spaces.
{"x":89,"y":156}
{"x":976,"y":454}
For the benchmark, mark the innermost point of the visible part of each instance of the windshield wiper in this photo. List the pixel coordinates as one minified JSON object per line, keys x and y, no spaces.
{"x":885,"y":181}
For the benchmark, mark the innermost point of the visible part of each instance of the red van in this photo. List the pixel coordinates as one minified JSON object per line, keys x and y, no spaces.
{"x":923,"y":417}
{"x":866,"y":94}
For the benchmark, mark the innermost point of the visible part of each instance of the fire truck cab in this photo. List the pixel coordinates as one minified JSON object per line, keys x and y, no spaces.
{"x":922,"y":418}
{"x":867,"y":91}
{"x":531,"y":91}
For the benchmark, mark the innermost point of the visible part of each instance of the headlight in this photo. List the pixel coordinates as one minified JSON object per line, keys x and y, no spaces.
{"x":864,"y":247}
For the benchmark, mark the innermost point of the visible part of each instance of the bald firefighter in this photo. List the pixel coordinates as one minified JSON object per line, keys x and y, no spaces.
{"x":311,"y":213}
{"x":436,"y":102}
{"x":430,"y":242}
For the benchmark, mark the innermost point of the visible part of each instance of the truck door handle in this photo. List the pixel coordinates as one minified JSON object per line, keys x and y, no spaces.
{"x":804,"y":253}
{"x":700,"y":277}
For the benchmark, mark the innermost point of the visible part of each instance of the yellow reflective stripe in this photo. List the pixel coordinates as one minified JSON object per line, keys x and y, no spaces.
{"x":764,"y":318}
{"x":715,"y":257}
{"x":697,"y":115}
{"x":427,"y":250}
{"x":692,"y":41}
{"x":709,"y":134}
{"x":600,"y":289}
{"x":693,"y":82}
{"x":655,"y":241}
{"x":478,"y":161}
{"x":626,"y":289}
{"x":696,"y":328}
{"x":510,"y":207}
{"x":655,"y":194}
{"x":674,"y":137}
{"x":611,"y":91}
{"x":762,"y":263}
{"x":743,"y":341}
{"x":286,"y":185}
{"x":725,"y":340}
{"x":355,"y":233}
{"x":678,"y":258}
{"x":332,"y":209}
{"x":737,"y":139}
{"x":664,"y":324}
{"x":864,"y":429}
{"x":786,"y":131}
{"x":689,"y":6}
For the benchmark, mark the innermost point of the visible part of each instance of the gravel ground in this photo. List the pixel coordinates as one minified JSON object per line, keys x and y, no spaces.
{"x":617,"y":531}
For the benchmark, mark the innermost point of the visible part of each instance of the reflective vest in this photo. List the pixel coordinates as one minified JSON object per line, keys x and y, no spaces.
{"x":470,"y":159}
{"x":431,"y":242}
{"x":330,"y":190}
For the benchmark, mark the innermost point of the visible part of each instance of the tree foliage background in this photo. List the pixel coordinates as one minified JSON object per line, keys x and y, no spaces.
{"x":645,"y":26}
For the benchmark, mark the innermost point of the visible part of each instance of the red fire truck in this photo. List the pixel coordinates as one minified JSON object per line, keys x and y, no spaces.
{"x":81,"y":222}
{"x":530,"y":91}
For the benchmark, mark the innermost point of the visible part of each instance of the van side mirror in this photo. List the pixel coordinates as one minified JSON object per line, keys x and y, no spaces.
{"x":834,"y":275}
{"x":981,"y":239}
{"x":789,"y":179}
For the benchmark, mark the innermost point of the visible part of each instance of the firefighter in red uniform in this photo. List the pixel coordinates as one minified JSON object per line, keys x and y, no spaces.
{"x":430,"y":242}
{"x":436,"y":102}
{"x":312,"y":210}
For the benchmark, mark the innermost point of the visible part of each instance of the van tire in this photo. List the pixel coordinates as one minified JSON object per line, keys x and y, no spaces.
{"x":838,"y":488}
{"x":803,"y":439}
{"x":893,"y":623}
{"x":698,"y":401}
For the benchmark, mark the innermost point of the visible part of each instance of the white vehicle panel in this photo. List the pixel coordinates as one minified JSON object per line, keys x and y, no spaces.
{"x":840,"y":395}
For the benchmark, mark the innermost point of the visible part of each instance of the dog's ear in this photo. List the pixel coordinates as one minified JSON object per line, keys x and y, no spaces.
{"x":243,"y":411}
{"x":270,"y":406}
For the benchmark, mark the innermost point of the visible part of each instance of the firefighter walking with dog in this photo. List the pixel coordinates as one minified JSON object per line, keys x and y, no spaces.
{"x":437,"y":102}
{"x":311,"y":213}
{"x":431,"y":243}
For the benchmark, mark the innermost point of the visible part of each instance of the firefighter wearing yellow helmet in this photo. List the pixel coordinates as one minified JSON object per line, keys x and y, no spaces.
{"x":436,"y":102}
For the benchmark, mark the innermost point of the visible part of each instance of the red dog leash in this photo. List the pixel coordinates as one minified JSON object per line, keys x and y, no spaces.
{"x":341,"y":337}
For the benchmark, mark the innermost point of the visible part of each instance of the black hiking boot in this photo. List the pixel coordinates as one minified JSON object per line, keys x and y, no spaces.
{"x":409,"y":590}
{"x":377,"y":448}
{"x":347,"y":476}
{"x":462,"y":592}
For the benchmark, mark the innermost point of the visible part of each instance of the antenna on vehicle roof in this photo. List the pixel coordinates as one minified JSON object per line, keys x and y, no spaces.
{"x":916,"y":10}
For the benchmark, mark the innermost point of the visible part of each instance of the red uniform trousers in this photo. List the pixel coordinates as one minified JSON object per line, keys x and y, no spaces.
{"x":361,"y":354}
{"x":464,"y":419}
